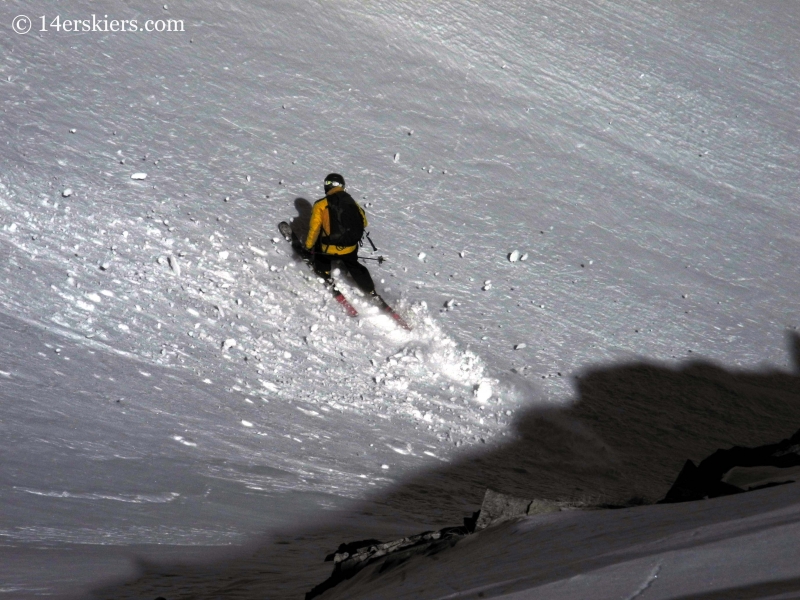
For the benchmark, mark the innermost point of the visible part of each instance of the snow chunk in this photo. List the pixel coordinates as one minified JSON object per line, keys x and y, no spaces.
{"x":524,"y":256}
{"x":269,"y":385}
{"x":513,"y":256}
{"x":421,"y":256}
{"x":94,"y":297}
{"x":311,"y":413}
{"x":223,"y":255}
{"x":246,"y":423}
{"x":520,"y":346}
{"x":173,"y":264}
{"x":67,"y":193}
{"x":482,"y":392}
{"x":228,"y":344}
{"x":139,"y":176}
{"x":224,"y":275}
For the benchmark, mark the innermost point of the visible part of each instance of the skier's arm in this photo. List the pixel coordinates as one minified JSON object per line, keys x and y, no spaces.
{"x":314,"y":226}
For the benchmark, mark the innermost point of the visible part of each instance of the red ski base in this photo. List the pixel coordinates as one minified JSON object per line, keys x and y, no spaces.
{"x":399,"y":319}
{"x":348,"y":308}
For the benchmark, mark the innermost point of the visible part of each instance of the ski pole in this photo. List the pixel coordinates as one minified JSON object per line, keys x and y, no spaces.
{"x":380,"y":259}
{"x":371,"y":243}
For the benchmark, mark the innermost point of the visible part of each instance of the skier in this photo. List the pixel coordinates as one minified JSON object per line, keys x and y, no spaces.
{"x":336,"y":227}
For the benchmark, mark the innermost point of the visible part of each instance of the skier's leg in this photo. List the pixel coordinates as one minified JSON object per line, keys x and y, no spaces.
{"x":358,"y":272}
{"x":322,"y":266}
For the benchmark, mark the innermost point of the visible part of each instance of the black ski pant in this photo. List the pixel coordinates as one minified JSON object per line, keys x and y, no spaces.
{"x":359,"y":273}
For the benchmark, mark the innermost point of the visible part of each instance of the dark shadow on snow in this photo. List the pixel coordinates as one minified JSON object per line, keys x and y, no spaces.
{"x":622,"y":442}
{"x":767,"y":589}
{"x":301,"y":221}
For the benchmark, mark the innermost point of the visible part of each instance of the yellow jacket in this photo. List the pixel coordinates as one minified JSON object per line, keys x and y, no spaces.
{"x":320,"y":222}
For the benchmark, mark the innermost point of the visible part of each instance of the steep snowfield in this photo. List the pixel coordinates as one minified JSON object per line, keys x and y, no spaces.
{"x":173,"y":376}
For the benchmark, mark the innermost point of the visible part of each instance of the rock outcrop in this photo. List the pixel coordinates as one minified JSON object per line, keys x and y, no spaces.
{"x":719,"y":474}
{"x":351,"y":557}
{"x":497,"y":507}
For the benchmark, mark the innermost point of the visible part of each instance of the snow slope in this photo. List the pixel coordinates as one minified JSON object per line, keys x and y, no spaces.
{"x":641,"y":157}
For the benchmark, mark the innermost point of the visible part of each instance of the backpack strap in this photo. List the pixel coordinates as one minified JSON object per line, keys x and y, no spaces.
{"x":323,"y":237}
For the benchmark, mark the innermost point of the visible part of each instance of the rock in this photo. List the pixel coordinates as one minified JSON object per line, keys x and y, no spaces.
{"x":351,"y":558}
{"x":346,"y":549}
{"x":538,"y":507}
{"x":710,"y":479}
{"x":498,"y":507}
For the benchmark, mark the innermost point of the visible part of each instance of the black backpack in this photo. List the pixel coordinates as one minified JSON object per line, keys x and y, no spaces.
{"x":347,"y":223}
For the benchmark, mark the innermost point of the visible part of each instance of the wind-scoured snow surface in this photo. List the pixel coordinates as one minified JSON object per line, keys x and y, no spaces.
{"x":589,"y":217}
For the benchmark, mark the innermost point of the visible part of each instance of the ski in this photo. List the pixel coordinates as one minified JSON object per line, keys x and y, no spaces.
{"x":289,"y":236}
{"x":348,"y":308}
{"x":392,"y":313}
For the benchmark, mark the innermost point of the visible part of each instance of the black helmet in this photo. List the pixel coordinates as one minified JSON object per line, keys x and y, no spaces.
{"x":333,"y":180}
